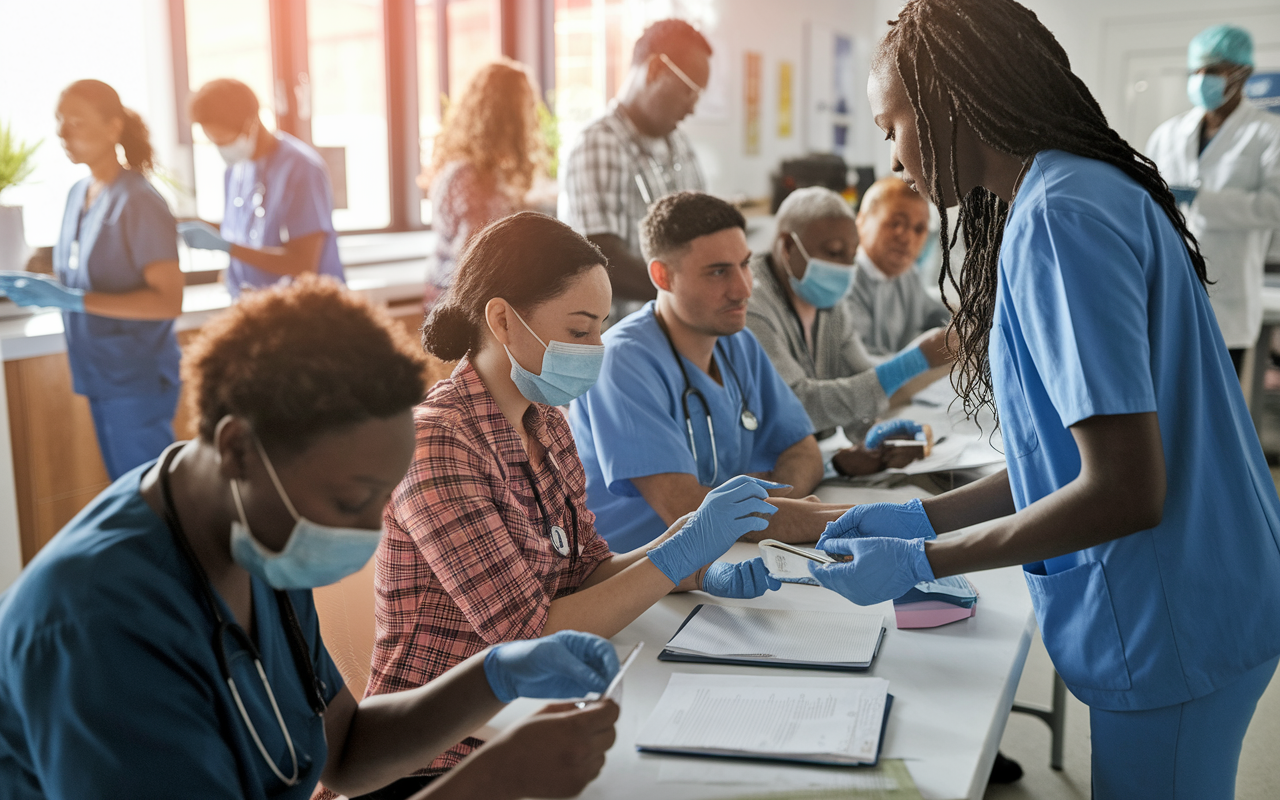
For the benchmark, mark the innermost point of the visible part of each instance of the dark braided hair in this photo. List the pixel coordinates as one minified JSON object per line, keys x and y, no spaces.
{"x":1003,"y":73}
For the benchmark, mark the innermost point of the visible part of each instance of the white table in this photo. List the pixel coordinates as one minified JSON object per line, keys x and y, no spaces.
{"x":953,"y":688}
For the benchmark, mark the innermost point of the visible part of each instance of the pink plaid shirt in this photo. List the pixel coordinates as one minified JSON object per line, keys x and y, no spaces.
{"x":467,"y":561}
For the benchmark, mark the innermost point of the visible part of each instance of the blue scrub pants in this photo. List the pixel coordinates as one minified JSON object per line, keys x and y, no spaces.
{"x":135,"y":429}
{"x":1184,"y":752}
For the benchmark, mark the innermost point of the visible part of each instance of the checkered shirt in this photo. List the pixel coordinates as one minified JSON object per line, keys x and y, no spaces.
{"x":466,"y":560}
{"x":600,"y":194}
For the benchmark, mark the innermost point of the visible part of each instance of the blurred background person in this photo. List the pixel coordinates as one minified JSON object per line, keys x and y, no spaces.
{"x":117,"y":279}
{"x":278,"y":218}
{"x":1222,"y":161}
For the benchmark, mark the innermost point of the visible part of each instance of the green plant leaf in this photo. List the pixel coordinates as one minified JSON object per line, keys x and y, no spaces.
{"x":15,"y":158}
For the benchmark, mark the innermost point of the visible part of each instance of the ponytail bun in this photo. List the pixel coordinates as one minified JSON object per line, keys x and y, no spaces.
{"x":449,"y":333}
{"x":136,"y":141}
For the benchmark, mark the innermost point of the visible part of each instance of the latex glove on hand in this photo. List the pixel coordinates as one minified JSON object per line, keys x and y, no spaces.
{"x":892,"y":429}
{"x":741,"y":581}
{"x":29,"y":289}
{"x":1184,"y":195}
{"x":889,"y":520}
{"x":728,"y":513}
{"x":564,"y":664}
{"x":203,"y":236}
{"x":879,"y":570}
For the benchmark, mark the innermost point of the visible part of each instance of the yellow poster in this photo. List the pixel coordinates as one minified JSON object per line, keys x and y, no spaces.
{"x":784,"y":100}
{"x":754,"y":67}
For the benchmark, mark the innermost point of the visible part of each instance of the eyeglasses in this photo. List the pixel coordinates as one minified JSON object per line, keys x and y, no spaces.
{"x":693,"y":87}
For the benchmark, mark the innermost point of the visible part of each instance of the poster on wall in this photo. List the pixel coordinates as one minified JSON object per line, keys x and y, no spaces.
{"x":828,"y":103}
{"x":754,"y":66}
{"x":785,"y":120}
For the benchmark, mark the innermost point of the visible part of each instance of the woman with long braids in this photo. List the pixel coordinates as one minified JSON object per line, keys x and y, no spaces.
{"x":1136,"y":494}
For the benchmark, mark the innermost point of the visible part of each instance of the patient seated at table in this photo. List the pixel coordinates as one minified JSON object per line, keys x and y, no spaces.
{"x":687,"y":398}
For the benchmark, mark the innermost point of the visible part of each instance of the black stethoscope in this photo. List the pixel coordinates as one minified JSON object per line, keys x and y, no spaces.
{"x":746,"y":417}
{"x":566,"y":544}
{"x":298,"y":647}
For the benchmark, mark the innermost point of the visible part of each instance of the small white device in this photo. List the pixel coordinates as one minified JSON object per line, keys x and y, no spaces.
{"x":614,"y":688}
{"x":786,"y":561}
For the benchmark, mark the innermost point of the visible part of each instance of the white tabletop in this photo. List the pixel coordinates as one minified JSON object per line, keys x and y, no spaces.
{"x":953,"y":687}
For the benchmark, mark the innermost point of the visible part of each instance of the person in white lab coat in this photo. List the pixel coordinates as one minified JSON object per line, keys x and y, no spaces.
{"x":1222,"y":161}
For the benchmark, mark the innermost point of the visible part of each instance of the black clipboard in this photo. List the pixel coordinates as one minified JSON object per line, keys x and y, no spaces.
{"x":826,"y":666}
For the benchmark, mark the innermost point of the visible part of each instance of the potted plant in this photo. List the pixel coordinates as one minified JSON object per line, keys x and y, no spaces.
{"x":16,"y":164}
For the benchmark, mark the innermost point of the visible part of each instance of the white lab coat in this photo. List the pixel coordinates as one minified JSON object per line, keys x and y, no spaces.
{"x":1236,"y":208}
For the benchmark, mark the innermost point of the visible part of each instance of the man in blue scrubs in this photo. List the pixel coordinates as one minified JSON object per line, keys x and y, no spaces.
{"x":278,"y":220}
{"x":687,"y":398}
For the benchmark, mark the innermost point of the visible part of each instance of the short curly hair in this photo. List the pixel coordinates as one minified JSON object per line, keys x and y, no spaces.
{"x":300,"y":360}
{"x":677,"y":219}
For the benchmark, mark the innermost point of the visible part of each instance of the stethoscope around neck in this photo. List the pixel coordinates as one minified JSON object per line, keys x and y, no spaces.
{"x":746,"y":417}
{"x":566,"y":544}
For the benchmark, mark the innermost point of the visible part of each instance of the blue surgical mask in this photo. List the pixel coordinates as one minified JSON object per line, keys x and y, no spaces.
{"x":315,"y":555}
{"x":568,"y":370}
{"x":824,"y":282}
{"x":1207,"y":91}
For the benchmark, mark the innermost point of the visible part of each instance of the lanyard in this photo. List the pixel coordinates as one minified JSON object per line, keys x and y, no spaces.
{"x":224,"y":628}
{"x":565,"y":545}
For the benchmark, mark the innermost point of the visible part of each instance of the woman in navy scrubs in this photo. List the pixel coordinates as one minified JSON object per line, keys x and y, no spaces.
{"x":1137,"y":497}
{"x":118,"y":282}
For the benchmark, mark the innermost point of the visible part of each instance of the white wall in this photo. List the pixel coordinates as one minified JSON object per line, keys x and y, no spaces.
{"x":776,"y":30}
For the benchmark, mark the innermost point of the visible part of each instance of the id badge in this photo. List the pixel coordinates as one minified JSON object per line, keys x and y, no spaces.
{"x":73,"y":257}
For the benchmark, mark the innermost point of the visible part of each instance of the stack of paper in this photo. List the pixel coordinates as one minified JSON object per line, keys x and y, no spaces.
{"x":817,"y":720}
{"x":775,"y":637}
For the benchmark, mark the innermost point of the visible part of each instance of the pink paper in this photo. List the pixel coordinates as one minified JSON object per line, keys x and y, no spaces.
{"x":930,"y":614}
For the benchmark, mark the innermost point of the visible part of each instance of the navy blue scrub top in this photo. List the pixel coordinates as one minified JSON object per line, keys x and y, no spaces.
{"x":1098,"y":311}
{"x":109,"y":686}
{"x":127,"y":227}
{"x":284,"y":195}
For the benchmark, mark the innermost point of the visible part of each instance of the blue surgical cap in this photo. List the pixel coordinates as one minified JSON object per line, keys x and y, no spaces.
{"x":1221,"y":43}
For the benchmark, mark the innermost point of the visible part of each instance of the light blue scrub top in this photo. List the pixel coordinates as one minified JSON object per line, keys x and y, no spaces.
{"x":127,"y":227}
{"x":109,"y":686}
{"x":284,"y":195}
{"x":1099,"y":312}
{"x":631,"y":423}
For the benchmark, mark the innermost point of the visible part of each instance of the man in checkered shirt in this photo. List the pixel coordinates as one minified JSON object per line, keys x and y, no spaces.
{"x":635,"y":154}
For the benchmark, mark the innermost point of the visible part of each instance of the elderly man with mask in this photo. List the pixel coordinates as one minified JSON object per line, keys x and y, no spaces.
{"x":1222,"y":161}
{"x":635,"y":154}
{"x":797,"y":314}
{"x":888,"y":302}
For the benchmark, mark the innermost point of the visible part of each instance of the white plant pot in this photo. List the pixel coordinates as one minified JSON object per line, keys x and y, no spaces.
{"x":13,"y":242}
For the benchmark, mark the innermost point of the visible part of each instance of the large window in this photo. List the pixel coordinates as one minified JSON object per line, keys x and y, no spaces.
{"x":362,"y":81}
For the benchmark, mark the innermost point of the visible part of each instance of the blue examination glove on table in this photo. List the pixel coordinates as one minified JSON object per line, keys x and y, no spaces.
{"x":740,"y":581}
{"x":203,"y":236}
{"x":1184,"y":195}
{"x":892,"y":429}
{"x":879,"y":570}
{"x":29,"y":289}
{"x":724,"y":517}
{"x":564,"y":664}
{"x":889,"y":520}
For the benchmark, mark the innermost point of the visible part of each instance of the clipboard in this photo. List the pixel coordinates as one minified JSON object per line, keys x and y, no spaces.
{"x":748,"y":661}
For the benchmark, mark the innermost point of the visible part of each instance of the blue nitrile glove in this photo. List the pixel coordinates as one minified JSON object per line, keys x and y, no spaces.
{"x":724,"y":516}
{"x":901,"y":368}
{"x":1184,"y":195}
{"x":892,"y":429}
{"x":203,"y":236}
{"x":564,"y":664}
{"x":41,"y":290}
{"x":881,"y":569}
{"x":890,"y":520}
{"x":742,"y":581}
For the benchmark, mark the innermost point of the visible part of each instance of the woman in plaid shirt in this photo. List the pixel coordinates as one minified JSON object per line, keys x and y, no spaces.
{"x":488,"y":537}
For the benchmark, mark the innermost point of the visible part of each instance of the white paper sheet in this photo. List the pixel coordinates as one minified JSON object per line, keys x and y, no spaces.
{"x":835,"y":637}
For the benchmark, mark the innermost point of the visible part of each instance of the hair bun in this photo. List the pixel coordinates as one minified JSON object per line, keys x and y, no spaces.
{"x":448,"y":333}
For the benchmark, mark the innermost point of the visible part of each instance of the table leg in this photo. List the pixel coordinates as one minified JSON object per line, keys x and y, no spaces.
{"x":1055,"y":717}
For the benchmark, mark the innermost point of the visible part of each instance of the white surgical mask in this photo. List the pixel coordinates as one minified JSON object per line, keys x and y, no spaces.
{"x":242,"y":148}
{"x":315,"y":555}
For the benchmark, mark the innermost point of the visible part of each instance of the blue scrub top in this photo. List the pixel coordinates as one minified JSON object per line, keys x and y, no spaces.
{"x":109,"y":686}
{"x":1099,"y":312}
{"x":127,"y":227}
{"x":632,"y":424}
{"x":284,"y":195}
